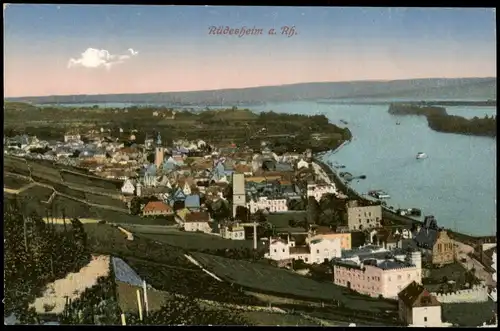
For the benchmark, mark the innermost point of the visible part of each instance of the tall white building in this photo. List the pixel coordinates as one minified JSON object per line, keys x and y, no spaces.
{"x":318,"y":190}
{"x":317,"y":251}
{"x":239,"y":195}
{"x":263,"y":203}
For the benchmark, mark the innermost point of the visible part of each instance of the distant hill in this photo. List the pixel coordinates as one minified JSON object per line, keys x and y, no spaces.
{"x":432,"y":88}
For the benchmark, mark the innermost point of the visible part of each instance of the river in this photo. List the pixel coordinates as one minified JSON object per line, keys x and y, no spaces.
{"x":456,"y":183}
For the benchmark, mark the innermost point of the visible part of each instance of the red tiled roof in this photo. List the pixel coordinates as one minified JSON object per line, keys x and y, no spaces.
{"x":157,"y":206}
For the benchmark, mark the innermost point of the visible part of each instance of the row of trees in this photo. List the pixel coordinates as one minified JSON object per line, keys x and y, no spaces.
{"x":180,"y":310}
{"x":35,"y":254}
{"x":486,"y":126}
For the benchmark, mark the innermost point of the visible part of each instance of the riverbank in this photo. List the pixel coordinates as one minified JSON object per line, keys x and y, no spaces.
{"x":439,"y":120}
{"x":390,"y":215}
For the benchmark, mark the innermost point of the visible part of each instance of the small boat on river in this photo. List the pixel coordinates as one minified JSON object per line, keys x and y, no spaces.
{"x":421,"y":155}
{"x":379,"y":194}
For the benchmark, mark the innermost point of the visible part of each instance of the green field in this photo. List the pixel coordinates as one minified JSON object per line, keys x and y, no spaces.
{"x":39,"y":192}
{"x":192,"y":241}
{"x":276,"y":319}
{"x":285,"y":283}
{"x":14,"y":183}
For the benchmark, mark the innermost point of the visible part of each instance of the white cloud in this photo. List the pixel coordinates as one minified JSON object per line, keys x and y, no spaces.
{"x":98,"y":58}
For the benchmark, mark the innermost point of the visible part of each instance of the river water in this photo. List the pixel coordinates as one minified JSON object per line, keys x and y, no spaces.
{"x":456,"y":183}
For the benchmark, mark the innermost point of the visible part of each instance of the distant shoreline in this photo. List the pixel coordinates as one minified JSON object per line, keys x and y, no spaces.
{"x":439,"y":120}
{"x":487,"y":103}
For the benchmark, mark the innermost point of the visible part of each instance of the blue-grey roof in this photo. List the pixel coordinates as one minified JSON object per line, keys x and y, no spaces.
{"x":124,"y":273}
{"x":192,"y":201}
{"x":426,"y":237}
{"x":362,"y":251}
{"x":392,"y":264}
{"x":179,"y":194}
{"x":151,"y":169}
{"x":168,"y":165}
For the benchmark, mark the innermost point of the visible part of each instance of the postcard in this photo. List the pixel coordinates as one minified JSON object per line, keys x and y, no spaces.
{"x":224,"y":165}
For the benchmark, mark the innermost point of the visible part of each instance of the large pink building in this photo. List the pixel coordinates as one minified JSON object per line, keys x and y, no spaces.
{"x":375,"y":277}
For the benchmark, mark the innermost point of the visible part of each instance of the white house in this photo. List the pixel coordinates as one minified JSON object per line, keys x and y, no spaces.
{"x":197,"y":221}
{"x":186,"y":189}
{"x":324,"y":249}
{"x":263,"y":203}
{"x":417,"y":307}
{"x":318,"y":190}
{"x":128,"y":187}
{"x":233,"y":232}
{"x":302,"y":164}
{"x":317,"y":251}
{"x":71,"y":137}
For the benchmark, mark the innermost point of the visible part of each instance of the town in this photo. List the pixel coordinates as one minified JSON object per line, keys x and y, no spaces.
{"x":253,"y":218}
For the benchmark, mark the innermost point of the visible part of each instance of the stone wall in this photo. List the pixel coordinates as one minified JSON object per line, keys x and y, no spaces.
{"x":478,"y":293}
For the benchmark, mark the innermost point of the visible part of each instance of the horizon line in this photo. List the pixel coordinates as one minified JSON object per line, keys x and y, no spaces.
{"x":255,"y":87}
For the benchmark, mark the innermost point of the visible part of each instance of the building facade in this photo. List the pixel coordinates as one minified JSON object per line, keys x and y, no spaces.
{"x":377,"y":277}
{"x":157,"y":208}
{"x":128,"y":187}
{"x":417,"y":307}
{"x":318,"y":190}
{"x":239,"y":194}
{"x":363,"y":217}
{"x":345,"y":238}
{"x":233,"y":232}
{"x":265,"y":203}
{"x":197,"y":221}
{"x":317,"y":251}
{"x":443,"y":249}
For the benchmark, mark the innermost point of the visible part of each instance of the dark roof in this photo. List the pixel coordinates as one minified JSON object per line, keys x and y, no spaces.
{"x":300,"y":250}
{"x":415,"y":295}
{"x":197,"y":217}
{"x":489,"y":252}
{"x":426,"y":237}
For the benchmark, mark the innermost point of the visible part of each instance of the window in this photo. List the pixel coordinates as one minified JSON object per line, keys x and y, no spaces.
{"x":275,"y":251}
{"x":399,"y":277}
{"x":317,"y":251}
{"x":283,"y":250}
{"x":306,"y":259}
{"x":409,"y":276}
{"x":425,"y":319}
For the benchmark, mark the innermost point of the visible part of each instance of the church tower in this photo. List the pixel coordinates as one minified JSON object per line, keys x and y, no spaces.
{"x":159,"y":152}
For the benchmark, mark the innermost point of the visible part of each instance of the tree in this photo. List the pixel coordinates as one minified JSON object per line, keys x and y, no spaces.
{"x":135,"y":206}
{"x":242,"y":214}
{"x":313,"y":210}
